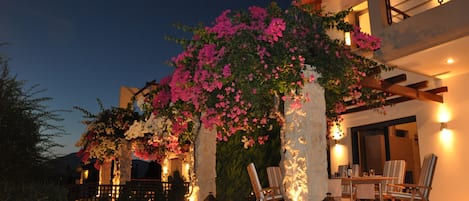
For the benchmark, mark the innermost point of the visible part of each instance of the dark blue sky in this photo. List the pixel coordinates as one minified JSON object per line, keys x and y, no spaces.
{"x":81,"y":50}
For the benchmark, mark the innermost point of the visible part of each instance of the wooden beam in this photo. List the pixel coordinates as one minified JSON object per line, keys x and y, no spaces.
{"x":438,"y":90}
{"x":400,"y":90}
{"x":395,"y":100}
{"x":396,"y":79}
{"x":418,"y":85}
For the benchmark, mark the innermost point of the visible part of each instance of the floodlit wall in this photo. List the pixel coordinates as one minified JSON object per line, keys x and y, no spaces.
{"x":448,"y":144}
{"x":451,"y":146}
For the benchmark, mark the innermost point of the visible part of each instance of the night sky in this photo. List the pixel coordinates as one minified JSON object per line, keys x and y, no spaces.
{"x":81,"y":50}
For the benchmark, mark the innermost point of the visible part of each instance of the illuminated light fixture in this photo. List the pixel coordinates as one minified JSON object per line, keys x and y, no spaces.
{"x":336,"y":133}
{"x":449,"y":61}
{"x":443,"y":126}
{"x":348,"y":39}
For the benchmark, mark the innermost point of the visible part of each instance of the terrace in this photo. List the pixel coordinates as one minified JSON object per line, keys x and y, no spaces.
{"x":412,"y":33}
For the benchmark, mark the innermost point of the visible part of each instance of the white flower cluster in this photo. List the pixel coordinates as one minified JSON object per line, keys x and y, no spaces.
{"x":152,"y":125}
{"x":105,"y":149}
{"x":136,"y":130}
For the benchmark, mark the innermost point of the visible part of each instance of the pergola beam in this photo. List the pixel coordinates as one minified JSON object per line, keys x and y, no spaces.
{"x":396,"y":100}
{"x":418,"y":85}
{"x":396,"y":79}
{"x":400,"y":90}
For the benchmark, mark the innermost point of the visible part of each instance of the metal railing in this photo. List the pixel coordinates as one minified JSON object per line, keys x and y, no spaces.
{"x":134,"y":190}
{"x":398,"y":10}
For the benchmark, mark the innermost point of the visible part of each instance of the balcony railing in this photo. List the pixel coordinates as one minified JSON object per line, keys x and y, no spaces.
{"x":398,"y":10}
{"x":134,"y":190}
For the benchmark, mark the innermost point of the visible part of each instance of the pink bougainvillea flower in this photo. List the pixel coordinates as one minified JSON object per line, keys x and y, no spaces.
{"x":364,"y":40}
{"x":274,"y":31}
{"x":258,"y":13}
{"x":227,"y":70}
{"x":97,"y":165}
{"x":296,"y":105}
{"x":166,"y":80}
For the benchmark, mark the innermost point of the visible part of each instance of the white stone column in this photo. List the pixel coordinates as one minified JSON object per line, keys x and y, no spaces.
{"x":304,"y":146}
{"x":205,"y":163}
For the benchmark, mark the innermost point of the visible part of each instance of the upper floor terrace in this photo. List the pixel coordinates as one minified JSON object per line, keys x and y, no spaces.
{"x":424,"y":36}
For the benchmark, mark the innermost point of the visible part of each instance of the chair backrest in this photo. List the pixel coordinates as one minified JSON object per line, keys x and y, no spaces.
{"x":274,"y":174}
{"x":256,"y":184}
{"x":343,"y":170}
{"x":393,"y":168}
{"x":426,"y":173}
{"x":343,"y":173}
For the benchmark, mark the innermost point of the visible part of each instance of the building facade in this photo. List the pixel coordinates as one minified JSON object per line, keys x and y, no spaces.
{"x":427,"y":40}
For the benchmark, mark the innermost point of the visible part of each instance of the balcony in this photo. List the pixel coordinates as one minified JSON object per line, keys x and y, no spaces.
{"x":399,"y":10}
{"x":424,"y":41}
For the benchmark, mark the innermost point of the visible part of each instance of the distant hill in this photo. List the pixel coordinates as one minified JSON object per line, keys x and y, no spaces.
{"x":65,"y":169}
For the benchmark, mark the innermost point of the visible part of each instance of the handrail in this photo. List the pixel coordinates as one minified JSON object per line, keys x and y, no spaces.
{"x":407,"y":8}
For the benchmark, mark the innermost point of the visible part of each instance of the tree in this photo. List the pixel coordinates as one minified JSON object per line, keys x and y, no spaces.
{"x":26,"y":128}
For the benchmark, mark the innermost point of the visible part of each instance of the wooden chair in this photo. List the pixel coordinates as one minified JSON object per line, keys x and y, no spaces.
{"x":393,"y":168}
{"x":274,"y":175}
{"x":345,"y":188}
{"x":421,"y":190}
{"x":262,"y":194}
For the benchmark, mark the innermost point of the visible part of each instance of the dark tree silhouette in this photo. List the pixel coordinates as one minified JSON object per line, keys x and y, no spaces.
{"x":26,"y":128}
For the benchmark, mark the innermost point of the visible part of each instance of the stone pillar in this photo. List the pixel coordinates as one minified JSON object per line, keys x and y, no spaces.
{"x":125,"y":162}
{"x":205,"y":163}
{"x":304,"y":146}
{"x":105,"y":173}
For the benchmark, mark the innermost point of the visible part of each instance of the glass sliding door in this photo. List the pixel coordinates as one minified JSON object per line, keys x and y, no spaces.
{"x":374,"y":144}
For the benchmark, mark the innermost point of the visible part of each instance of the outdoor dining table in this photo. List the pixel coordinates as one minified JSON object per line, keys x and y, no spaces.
{"x":377,"y":179}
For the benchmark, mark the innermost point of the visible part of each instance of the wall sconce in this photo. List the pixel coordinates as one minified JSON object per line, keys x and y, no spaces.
{"x":443,"y":126}
{"x":336,"y":133}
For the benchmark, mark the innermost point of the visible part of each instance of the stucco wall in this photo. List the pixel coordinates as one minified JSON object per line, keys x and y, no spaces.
{"x":450,"y":147}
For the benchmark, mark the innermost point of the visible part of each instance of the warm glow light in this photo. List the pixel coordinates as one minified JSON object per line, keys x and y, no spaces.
{"x":195,"y":192}
{"x":187,"y":171}
{"x":449,"y":61}
{"x":444,"y":115}
{"x":296,"y":172}
{"x":339,"y":152}
{"x":447,"y":139}
{"x":348,"y":40}
{"x":165,"y":172}
{"x":85,"y":174}
{"x":336,"y":132}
